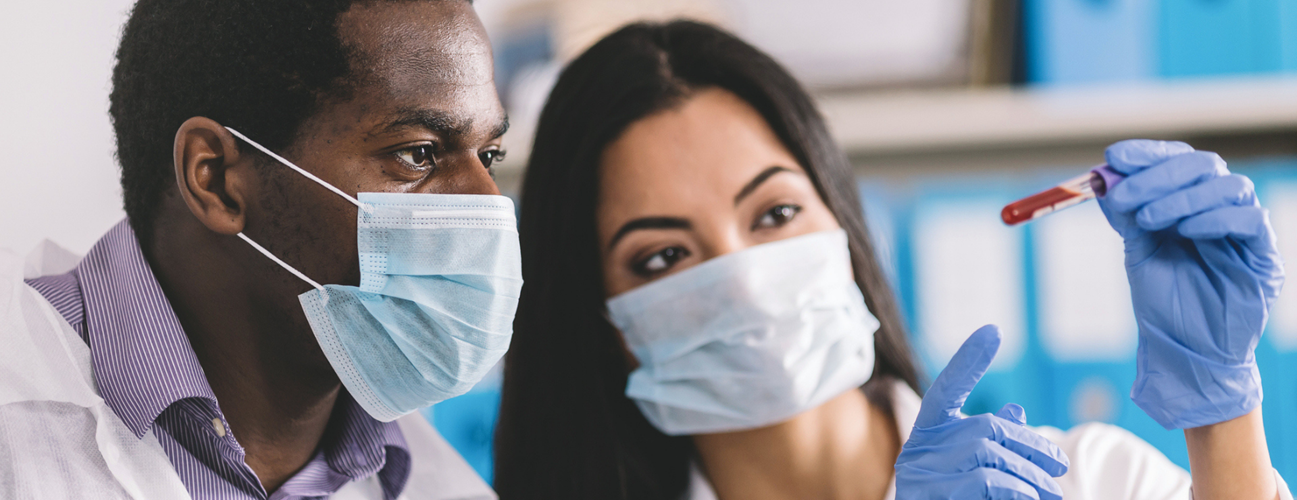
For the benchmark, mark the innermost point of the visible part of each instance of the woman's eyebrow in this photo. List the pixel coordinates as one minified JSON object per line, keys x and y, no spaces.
{"x":649,"y":223}
{"x":756,"y":181}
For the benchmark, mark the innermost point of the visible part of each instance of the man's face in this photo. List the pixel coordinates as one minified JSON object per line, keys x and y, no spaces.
{"x":423,"y":118}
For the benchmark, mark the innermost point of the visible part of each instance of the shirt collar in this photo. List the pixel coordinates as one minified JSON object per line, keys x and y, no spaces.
{"x":143,"y":363}
{"x":369,"y":445}
{"x":142,"y":360}
{"x":355,"y":447}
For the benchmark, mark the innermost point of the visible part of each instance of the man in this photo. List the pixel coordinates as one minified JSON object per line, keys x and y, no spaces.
{"x":176,"y":359}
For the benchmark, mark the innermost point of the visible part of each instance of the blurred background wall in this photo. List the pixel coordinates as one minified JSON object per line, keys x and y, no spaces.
{"x":58,"y":177}
{"x":948,"y":109}
{"x":951,"y":108}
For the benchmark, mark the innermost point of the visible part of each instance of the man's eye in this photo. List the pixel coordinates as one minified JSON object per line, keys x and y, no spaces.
{"x":660,"y":261}
{"x":777,"y":216}
{"x":418,"y":157}
{"x":491,"y":156}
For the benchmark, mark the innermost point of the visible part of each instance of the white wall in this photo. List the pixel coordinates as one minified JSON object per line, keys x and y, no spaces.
{"x":58,"y":177}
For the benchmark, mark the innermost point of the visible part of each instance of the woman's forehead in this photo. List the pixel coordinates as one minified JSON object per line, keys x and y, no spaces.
{"x":708,"y":146}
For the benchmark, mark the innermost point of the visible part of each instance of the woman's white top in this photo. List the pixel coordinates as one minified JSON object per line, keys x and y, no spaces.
{"x":1107,"y":462}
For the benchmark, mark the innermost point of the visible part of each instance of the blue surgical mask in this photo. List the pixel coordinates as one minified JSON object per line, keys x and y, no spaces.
{"x":440,"y":276}
{"x":748,"y":339}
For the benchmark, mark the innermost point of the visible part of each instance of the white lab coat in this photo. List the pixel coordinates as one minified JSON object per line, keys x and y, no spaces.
{"x":59,"y":440}
{"x":1107,"y":462}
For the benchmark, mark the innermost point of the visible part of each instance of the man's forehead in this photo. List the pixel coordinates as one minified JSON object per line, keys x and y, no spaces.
{"x":418,"y":43}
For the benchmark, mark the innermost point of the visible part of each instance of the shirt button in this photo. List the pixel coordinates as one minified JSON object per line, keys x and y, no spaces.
{"x":218,"y":427}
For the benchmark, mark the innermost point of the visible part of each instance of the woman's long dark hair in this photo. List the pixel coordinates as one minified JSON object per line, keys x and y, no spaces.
{"x":567,"y":430}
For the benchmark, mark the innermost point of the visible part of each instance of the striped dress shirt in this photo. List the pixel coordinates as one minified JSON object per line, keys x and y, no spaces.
{"x":147,"y":372}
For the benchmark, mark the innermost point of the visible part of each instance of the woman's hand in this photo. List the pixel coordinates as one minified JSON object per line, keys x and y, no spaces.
{"x":981,"y":457}
{"x":1203,"y":269}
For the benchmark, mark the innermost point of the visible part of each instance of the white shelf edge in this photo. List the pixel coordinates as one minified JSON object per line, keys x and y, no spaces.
{"x":916,"y":120}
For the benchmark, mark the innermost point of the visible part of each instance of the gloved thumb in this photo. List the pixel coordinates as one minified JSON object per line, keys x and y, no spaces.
{"x":951,"y":389}
{"x":1013,"y":413}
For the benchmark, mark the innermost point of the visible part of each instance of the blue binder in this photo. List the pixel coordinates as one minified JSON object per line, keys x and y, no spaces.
{"x":1219,"y":37}
{"x":1083,"y":41}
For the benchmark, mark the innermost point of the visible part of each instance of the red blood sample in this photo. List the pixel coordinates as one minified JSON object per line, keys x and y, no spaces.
{"x":1071,"y":192}
{"x":1025,"y":209}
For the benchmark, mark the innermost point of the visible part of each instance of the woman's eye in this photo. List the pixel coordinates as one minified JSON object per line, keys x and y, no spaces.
{"x":660,"y":261}
{"x":418,"y":157}
{"x":491,"y":156}
{"x":777,"y":216}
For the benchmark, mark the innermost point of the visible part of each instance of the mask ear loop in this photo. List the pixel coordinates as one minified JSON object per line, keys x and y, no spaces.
{"x":300,"y":170}
{"x":280,"y":262}
{"x":362,"y":206}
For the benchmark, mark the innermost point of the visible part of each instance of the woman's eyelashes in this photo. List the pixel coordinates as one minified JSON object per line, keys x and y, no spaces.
{"x":659,"y":262}
{"x":777,"y":216}
{"x":663,"y":260}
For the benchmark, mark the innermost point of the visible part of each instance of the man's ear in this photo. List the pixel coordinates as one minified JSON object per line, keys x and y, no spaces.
{"x":212,"y":180}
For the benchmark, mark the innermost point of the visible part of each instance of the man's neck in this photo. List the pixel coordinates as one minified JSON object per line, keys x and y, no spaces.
{"x":842,"y":449}
{"x":273,"y":384}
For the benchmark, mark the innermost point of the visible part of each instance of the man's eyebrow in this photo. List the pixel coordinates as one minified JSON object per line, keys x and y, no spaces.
{"x":501,"y":128}
{"x":756,"y":181}
{"x":649,"y":223}
{"x":431,"y":120}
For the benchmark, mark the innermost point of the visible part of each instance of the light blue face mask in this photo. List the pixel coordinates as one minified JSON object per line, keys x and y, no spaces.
{"x":440,"y":276}
{"x":748,"y":339}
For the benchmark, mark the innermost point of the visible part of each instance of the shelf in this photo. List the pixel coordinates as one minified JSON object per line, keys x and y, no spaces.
{"x":904,"y":132}
{"x":898,"y":123}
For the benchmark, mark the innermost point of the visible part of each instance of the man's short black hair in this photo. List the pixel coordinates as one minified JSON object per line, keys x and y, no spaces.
{"x":258,"y":66}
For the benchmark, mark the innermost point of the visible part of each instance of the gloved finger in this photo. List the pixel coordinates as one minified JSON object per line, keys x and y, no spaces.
{"x":943,"y":400}
{"x":1016,"y":438}
{"x":953,"y":460}
{"x":1158,"y":181}
{"x":997,"y":457}
{"x":1248,"y":225}
{"x":1228,"y":191}
{"x":1133,"y":155}
{"x":993,"y":484}
{"x":1036,"y":449}
{"x":1013,"y":412}
{"x":953,"y":457}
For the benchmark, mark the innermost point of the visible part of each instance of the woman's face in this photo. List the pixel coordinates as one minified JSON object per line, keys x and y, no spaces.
{"x":697,"y":181}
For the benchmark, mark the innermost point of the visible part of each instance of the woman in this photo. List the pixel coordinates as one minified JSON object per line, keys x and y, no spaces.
{"x":702,"y":299}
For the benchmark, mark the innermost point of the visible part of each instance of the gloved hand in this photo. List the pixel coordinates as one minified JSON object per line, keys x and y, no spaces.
{"x":1203,"y":270}
{"x":980,"y":457}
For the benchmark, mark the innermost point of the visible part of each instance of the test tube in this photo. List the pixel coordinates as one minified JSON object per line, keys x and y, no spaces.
{"x":1074,"y":191}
